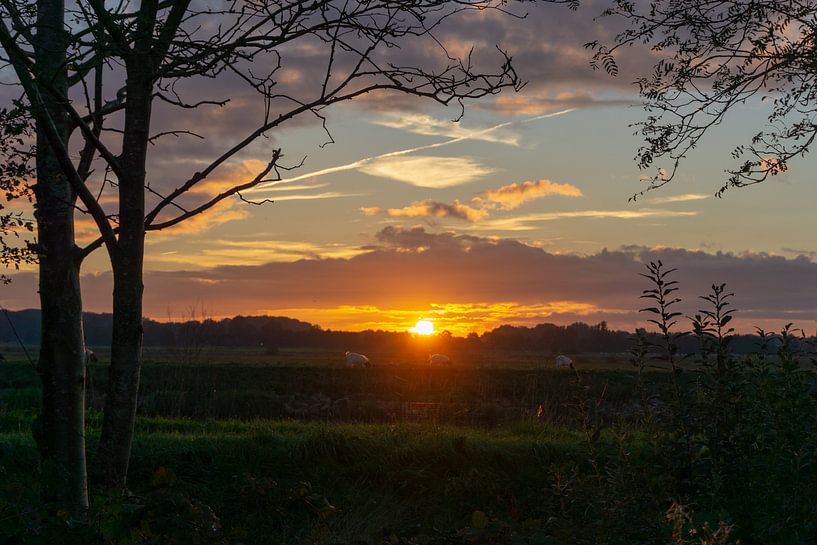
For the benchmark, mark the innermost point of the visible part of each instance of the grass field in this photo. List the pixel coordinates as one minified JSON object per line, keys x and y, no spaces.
{"x":299,"y":482}
{"x":236,"y":448}
{"x":311,"y":385}
{"x":293,"y":482}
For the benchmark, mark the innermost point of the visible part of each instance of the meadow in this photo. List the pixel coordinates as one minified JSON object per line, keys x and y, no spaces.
{"x":244,"y":446}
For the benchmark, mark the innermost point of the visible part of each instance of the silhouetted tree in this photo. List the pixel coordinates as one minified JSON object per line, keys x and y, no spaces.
{"x":125,"y":57}
{"x":60,"y":425}
{"x":16,"y":175}
{"x":714,"y":56}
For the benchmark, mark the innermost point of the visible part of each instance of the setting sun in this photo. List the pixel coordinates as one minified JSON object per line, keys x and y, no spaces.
{"x":423,"y":327}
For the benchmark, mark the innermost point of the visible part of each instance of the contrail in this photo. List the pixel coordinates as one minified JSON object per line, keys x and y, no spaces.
{"x":361,"y":162}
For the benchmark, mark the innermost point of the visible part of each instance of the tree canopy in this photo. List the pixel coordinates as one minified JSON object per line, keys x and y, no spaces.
{"x":712,"y":56}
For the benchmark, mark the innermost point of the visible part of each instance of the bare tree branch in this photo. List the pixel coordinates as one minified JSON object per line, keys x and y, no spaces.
{"x":261,"y":177}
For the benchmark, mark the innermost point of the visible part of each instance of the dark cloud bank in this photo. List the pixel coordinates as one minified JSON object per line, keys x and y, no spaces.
{"x":410,"y":268}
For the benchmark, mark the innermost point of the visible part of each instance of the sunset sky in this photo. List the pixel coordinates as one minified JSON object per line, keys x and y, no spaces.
{"x":517,"y":214}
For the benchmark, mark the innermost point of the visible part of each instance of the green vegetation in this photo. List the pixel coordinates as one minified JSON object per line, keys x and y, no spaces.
{"x":386,"y":393}
{"x":660,"y":447}
{"x":571,"y":473}
{"x":295,"y":482}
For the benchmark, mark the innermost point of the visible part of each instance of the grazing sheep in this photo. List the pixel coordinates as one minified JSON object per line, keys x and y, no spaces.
{"x":90,"y":357}
{"x":354,"y":360}
{"x":563,"y":361}
{"x":439,"y":359}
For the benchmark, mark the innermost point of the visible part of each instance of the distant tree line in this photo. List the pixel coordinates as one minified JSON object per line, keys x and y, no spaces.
{"x":274,"y":332}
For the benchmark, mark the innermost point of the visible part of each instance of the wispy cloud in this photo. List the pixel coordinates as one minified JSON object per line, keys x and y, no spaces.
{"x":250,"y":252}
{"x":427,"y":171}
{"x":430,"y":126}
{"x":303,"y":187}
{"x":515,"y":195}
{"x":357,"y":165}
{"x":538,"y":103}
{"x":317,"y":196}
{"x":524,"y":222}
{"x":679,"y":198}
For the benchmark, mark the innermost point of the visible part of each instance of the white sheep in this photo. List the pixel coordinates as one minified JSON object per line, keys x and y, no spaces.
{"x":439,"y":359}
{"x":563,"y":361}
{"x":90,"y":357}
{"x":353,"y":360}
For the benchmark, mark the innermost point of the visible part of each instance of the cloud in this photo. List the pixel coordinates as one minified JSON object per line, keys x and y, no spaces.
{"x":428,"y":171}
{"x":303,"y":65}
{"x":417,"y":239}
{"x":85,"y":229}
{"x":548,"y":52}
{"x":429,"y":126}
{"x":317,"y":196}
{"x":224,"y":212}
{"x":301,"y":187}
{"x":536,"y":103}
{"x":417,"y":270}
{"x":230,"y":175}
{"x":679,"y":198}
{"x":249,"y":252}
{"x":429,"y":208}
{"x":524,"y":222}
{"x":810,"y":254}
{"x":361,"y":164}
{"x":507,"y":197}
{"x":513,"y":196}
{"x":239,"y":172}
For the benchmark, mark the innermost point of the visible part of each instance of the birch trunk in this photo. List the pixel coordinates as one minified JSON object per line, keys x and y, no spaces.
{"x":60,"y":425}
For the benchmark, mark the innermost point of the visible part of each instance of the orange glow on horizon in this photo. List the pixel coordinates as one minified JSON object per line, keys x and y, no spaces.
{"x":423,"y":327}
{"x":459,"y":319}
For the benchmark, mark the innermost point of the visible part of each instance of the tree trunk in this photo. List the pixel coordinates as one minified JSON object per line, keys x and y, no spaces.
{"x":60,"y":426}
{"x":123,"y":377}
{"x":126,"y":343}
